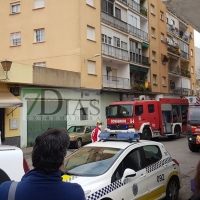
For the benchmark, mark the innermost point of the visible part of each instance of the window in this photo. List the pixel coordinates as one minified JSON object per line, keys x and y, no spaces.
{"x":154,"y":55}
{"x":151,"y":108}
{"x":163,"y":80}
{"x":90,"y":33}
{"x":114,"y":74}
{"x":104,"y":38}
{"x":38,"y":3}
{"x":152,"y":9}
{"x":152,"y":154}
{"x":172,"y":22}
{"x":91,"y":67}
{"x":117,"y":13}
{"x":83,"y":113}
{"x":39,"y":35}
{"x":154,"y":78}
{"x":161,"y":15}
{"x":116,"y":42}
{"x":167,"y":20}
{"x":15,"y":39}
{"x":191,"y":52}
{"x":123,"y":45}
{"x":153,"y":32}
{"x":15,"y":8}
{"x":107,"y":6}
{"x":90,"y":2}
{"x":192,"y":69}
{"x":132,"y":161}
{"x":162,"y":37}
{"x":138,"y":110}
{"x":40,"y":64}
{"x":109,"y":40}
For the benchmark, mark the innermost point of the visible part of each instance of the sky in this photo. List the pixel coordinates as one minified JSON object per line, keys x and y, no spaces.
{"x":196,"y":39}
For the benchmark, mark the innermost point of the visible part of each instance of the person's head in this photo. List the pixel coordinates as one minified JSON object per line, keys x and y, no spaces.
{"x":99,"y":123}
{"x":197,"y":178}
{"x":49,"y":150}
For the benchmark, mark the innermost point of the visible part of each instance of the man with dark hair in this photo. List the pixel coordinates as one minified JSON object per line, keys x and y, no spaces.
{"x":45,"y":180}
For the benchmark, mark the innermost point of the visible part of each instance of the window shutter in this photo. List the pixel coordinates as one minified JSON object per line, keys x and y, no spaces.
{"x":39,"y":3}
{"x":90,"y":33}
{"x":90,"y":2}
{"x":91,"y":67}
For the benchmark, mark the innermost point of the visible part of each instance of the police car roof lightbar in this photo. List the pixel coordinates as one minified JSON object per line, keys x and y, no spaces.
{"x":128,"y":137}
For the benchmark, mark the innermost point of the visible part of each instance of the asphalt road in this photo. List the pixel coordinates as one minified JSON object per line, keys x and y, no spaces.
{"x":178,"y":150}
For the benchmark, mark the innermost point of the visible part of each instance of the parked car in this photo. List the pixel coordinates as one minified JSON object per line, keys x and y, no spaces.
{"x":80,"y":134}
{"x":121,"y":166}
{"x":12,"y":163}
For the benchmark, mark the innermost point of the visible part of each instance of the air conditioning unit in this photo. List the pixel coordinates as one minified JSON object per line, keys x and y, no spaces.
{"x":172,"y":27}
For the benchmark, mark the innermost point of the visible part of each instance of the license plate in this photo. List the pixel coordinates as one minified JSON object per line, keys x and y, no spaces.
{"x":198,"y":139}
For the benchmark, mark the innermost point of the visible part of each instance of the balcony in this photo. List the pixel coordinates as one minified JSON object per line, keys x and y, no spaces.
{"x":139,"y":86}
{"x":184,"y":55}
{"x":143,"y":60}
{"x":114,"y":22}
{"x":174,"y":70}
{"x":173,"y":49}
{"x":115,"y":52}
{"x":115,"y":82}
{"x":183,"y":36}
{"x":138,"y":33}
{"x":143,"y":11}
{"x":180,"y":91}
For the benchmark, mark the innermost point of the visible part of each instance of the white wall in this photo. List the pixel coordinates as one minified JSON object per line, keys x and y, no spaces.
{"x":171,"y":17}
{"x":144,"y":25}
{"x":185,"y":82}
{"x":133,"y":19}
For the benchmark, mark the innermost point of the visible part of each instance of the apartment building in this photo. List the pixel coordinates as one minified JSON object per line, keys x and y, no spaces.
{"x":84,"y":54}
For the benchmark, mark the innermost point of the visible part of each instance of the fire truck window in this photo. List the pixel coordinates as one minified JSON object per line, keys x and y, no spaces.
{"x":151,"y":108}
{"x":184,"y":111}
{"x":138,"y":110}
{"x":176,"y":113}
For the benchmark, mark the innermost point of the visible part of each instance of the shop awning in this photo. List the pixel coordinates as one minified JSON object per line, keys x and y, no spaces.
{"x":137,"y":68}
{"x":145,"y":45}
{"x":8,"y":100}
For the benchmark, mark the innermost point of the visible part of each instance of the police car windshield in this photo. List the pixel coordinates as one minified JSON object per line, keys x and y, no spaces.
{"x":91,"y":161}
{"x":194,"y":115}
{"x":120,"y":111}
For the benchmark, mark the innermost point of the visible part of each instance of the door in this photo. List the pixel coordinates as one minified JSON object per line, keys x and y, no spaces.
{"x":135,"y":187}
{"x":152,"y":116}
{"x":139,"y":117}
{"x":88,"y":131}
{"x":155,"y":171}
{"x":167,"y":117}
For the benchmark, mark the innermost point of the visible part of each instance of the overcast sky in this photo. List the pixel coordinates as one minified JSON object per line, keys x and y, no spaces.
{"x":197,"y":39}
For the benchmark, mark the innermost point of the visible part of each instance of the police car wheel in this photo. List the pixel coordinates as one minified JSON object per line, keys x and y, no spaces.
{"x":177,"y":131}
{"x":78,"y":143}
{"x":172,"y":190}
{"x":193,"y":148}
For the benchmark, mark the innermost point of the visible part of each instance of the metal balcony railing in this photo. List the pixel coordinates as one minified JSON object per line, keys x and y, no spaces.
{"x":138,"y":33}
{"x":183,"y":36}
{"x":180,"y":91}
{"x":134,"y":5}
{"x":173,"y":49}
{"x":139,"y":86}
{"x":116,"y":82}
{"x":114,"y":22}
{"x":143,"y":60}
{"x":184,"y":55}
{"x":143,"y":11}
{"x":115,"y":52}
{"x":174,"y":70}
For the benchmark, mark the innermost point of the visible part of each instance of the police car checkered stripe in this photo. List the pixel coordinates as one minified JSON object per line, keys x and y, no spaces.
{"x":103,"y":191}
{"x":158,"y":164}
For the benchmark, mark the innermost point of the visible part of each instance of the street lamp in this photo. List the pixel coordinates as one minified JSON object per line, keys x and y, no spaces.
{"x":6,"y":65}
{"x":96,"y":55}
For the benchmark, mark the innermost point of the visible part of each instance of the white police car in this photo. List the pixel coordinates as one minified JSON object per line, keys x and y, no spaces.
{"x":122,"y":167}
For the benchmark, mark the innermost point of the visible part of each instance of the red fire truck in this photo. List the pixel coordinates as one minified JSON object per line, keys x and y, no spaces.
{"x":193,"y":128}
{"x":150,"y":118}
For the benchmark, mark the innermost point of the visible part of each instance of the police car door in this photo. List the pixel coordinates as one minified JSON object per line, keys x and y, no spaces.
{"x":155,"y":171}
{"x":133,"y":187}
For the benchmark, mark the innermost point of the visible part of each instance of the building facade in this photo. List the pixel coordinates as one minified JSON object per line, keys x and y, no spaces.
{"x":92,"y":52}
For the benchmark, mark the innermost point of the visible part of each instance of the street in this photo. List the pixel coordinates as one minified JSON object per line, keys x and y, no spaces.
{"x":178,"y":150}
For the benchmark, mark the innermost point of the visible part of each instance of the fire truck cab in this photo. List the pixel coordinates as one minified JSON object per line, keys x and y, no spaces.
{"x":193,"y":128}
{"x":150,"y":118}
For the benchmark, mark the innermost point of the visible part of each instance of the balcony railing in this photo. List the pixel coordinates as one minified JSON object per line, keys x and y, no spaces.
{"x":183,"y":36}
{"x":143,"y":11}
{"x":184,"y":55}
{"x":114,"y":52}
{"x":113,"y":21}
{"x":116,"y":82}
{"x":173,"y":49}
{"x":174,"y":70}
{"x":143,"y":60}
{"x":134,"y":5}
{"x":185,"y":73}
{"x":138,"y":33}
{"x":139,"y":86}
{"x":180,"y":91}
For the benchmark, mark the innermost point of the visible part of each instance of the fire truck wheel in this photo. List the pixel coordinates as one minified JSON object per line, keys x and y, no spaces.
{"x":146,"y":134}
{"x":193,"y":148}
{"x":177,"y":131}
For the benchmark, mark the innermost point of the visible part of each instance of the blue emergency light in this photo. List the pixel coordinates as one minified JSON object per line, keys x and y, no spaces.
{"x":119,"y":136}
